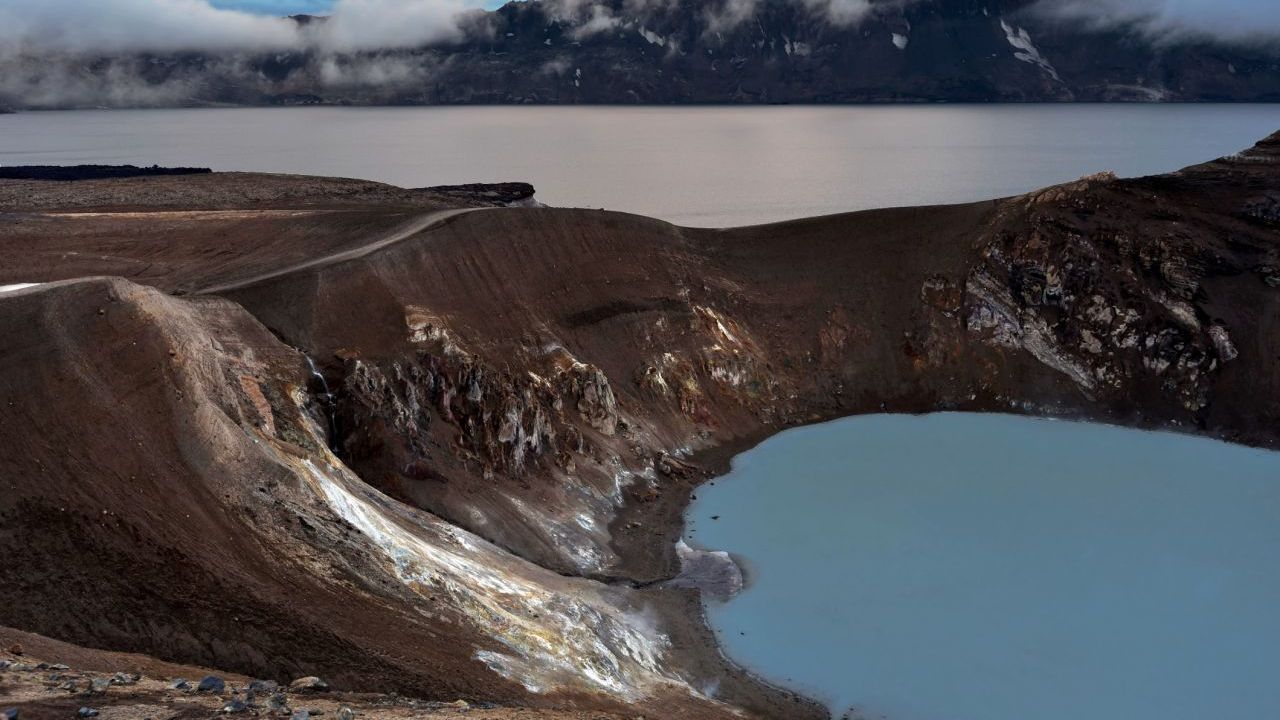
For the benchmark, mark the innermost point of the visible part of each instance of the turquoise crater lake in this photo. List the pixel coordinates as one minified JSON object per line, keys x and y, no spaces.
{"x":990,"y":567}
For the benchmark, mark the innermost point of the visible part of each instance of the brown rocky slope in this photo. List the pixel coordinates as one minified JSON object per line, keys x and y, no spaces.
{"x":478,"y":495}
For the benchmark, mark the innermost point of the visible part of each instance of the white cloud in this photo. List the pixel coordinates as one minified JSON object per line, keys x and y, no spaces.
{"x":125,"y":25}
{"x":841,"y":12}
{"x":376,"y":24}
{"x":728,"y":15}
{"x":119,"y":26}
{"x":600,"y":20}
{"x":1231,"y":20}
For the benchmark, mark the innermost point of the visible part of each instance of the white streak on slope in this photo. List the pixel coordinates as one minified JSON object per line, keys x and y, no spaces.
{"x":17,"y":286}
{"x":1026,"y":51}
{"x":573,"y":638}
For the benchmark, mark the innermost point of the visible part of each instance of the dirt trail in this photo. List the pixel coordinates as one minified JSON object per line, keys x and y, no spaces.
{"x":421,"y":224}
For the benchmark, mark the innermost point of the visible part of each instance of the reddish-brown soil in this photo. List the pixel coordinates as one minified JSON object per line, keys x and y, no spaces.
{"x":34,"y":684}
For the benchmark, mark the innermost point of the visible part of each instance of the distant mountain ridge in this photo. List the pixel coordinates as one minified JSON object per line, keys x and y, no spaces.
{"x":662,"y":52}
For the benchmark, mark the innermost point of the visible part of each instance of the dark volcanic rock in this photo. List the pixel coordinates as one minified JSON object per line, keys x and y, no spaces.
{"x":267,"y":686}
{"x":122,"y":678}
{"x":277,"y":703}
{"x":211,"y":684}
{"x":90,"y":172}
{"x":489,"y":193}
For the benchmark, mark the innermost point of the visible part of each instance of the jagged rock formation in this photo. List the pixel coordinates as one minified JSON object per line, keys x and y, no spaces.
{"x":481,"y":496}
{"x":622,"y":51}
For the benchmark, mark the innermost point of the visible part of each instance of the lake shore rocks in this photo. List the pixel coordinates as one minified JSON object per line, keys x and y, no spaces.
{"x":713,"y":572}
{"x":28,"y":693}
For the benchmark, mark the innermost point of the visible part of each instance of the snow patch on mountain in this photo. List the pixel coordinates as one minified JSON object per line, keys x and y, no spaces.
{"x":653,"y":37}
{"x":1025,"y":50}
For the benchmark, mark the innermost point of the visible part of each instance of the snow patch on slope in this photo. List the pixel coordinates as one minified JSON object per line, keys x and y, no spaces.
{"x":1025,"y":50}
{"x":795,"y":47}
{"x":653,"y":37}
{"x":555,"y":632}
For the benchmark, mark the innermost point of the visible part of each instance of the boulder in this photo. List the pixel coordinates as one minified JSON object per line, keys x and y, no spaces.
{"x":309,"y":683}
{"x":264,"y":686}
{"x":211,"y":684}
{"x":278,"y":703}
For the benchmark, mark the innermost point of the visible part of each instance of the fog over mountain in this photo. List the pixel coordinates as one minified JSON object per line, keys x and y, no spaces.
{"x":1247,"y":21}
{"x":122,"y":53}
{"x":113,"y":26}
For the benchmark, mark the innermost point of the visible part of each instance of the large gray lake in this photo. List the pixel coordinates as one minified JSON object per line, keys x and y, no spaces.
{"x":707,"y":166}
{"x":969,"y":567}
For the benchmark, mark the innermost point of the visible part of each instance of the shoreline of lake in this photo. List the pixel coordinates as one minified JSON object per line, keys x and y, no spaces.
{"x":738,"y":165}
{"x":725,"y":633}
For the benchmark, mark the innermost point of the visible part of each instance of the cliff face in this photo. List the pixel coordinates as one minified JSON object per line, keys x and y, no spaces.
{"x":620,"y":51}
{"x":447,"y":453}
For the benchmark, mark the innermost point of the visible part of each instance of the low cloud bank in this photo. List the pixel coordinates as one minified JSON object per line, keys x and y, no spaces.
{"x":163,"y":26}
{"x":390,"y":24}
{"x":1232,"y":21}
{"x":131,"y":53}
{"x":110,"y":26}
